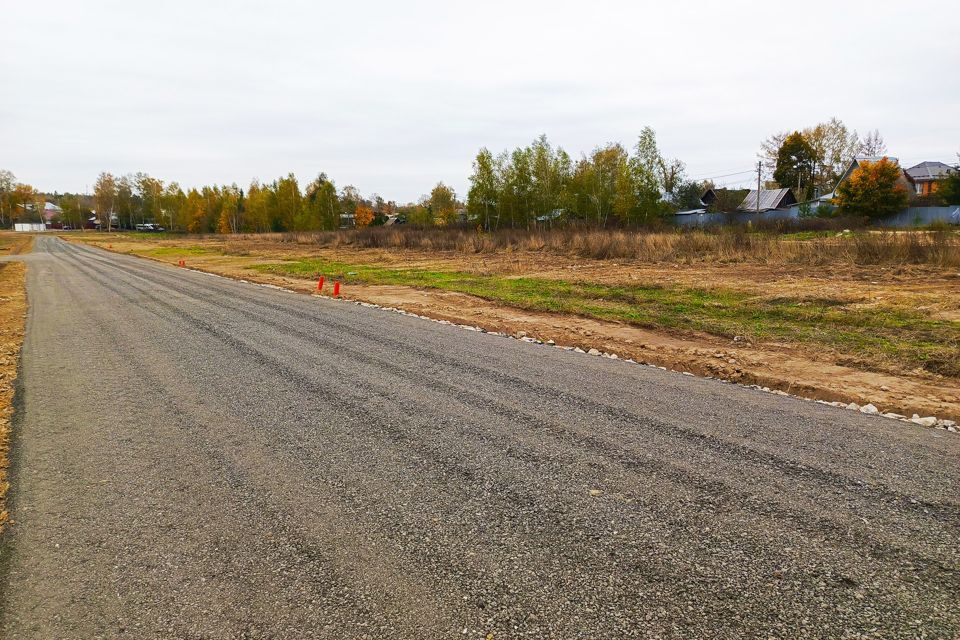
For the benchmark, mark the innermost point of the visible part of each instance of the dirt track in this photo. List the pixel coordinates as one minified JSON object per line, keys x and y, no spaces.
{"x":197,"y":457}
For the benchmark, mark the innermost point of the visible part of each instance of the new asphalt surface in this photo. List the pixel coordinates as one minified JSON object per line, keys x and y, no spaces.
{"x":201,"y":458}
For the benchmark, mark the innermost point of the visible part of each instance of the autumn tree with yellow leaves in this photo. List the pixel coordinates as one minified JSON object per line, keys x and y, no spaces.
{"x":363,"y":216}
{"x":872,"y":190}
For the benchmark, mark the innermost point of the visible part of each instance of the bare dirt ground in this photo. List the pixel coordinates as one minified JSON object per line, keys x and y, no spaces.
{"x":798,"y":369}
{"x":13,"y":310}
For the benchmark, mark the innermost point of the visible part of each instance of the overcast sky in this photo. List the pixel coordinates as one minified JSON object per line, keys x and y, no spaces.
{"x":394,"y":96}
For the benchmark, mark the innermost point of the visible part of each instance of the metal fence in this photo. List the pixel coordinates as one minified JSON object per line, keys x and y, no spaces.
{"x":909,"y":217}
{"x":922,"y":216}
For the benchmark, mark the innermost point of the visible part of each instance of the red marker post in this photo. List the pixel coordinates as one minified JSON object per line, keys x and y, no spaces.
{"x":320,"y":284}
{"x":336,"y":289}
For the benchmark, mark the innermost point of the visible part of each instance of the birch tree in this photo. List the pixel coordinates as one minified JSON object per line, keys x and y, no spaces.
{"x":7,"y":181}
{"x":105,"y":197}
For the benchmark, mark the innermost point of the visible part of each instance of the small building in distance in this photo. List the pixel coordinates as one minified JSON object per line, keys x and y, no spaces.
{"x":51,"y":212}
{"x":769,"y":199}
{"x":719,"y":199}
{"x":29,"y":226}
{"x":926,"y":175}
{"x":709,"y":197}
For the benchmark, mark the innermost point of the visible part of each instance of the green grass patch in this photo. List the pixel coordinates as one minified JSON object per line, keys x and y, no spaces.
{"x":166,"y":252}
{"x":870,"y":335}
{"x":812,"y":235}
{"x":149,"y":235}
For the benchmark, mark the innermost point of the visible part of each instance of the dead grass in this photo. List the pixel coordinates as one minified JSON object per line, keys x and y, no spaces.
{"x":13,"y":305}
{"x":939,"y":248}
{"x":14,"y":243}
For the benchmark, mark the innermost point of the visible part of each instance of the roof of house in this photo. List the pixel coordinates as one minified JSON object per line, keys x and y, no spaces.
{"x":47,"y":206}
{"x":769,"y":199}
{"x":930,"y":171}
{"x":859,"y":159}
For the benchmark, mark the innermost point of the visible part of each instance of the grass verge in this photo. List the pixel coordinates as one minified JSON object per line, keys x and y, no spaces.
{"x":13,"y":305}
{"x":166,"y":252}
{"x":871,"y":337}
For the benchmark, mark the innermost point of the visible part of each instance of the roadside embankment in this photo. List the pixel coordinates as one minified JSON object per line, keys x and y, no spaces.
{"x":13,"y":310}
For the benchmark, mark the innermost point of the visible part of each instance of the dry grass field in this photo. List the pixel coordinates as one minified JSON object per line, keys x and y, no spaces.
{"x":865,"y":316}
{"x":13,"y":309}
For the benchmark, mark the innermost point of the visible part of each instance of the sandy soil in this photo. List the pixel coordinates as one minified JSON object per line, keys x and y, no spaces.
{"x":796,"y":369}
{"x":13,"y":311}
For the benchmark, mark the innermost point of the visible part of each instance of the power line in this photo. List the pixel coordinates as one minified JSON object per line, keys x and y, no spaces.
{"x":952,"y":162}
{"x":724,"y":175}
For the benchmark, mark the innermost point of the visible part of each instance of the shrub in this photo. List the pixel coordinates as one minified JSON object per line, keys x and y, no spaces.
{"x":948,"y":189}
{"x":826,"y":211}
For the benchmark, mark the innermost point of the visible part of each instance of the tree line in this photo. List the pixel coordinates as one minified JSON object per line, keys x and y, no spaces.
{"x":18,"y":201}
{"x":537,"y":185}
{"x":277,"y":206}
{"x":540,"y":184}
{"x":280,"y":205}
{"x":811,"y":160}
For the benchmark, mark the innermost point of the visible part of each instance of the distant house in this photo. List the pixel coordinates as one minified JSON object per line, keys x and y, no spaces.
{"x":95,"y":222}
{"x":671,"y":199}
{"x":769,"y":199}
{"x":721,"y":199}
{"x":926,"y":175}
{"x":709,"y":197}
{"x":547,"y":217}
{"x":51,"y":211}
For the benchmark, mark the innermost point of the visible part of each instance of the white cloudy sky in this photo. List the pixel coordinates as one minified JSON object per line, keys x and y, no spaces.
{"x":393,"y":96}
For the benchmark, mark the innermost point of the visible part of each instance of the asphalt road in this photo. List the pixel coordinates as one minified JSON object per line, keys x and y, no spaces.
{"x":202,"y":458}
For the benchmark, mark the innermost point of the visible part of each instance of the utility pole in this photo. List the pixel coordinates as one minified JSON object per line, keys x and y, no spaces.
{"x":759,"y":165}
